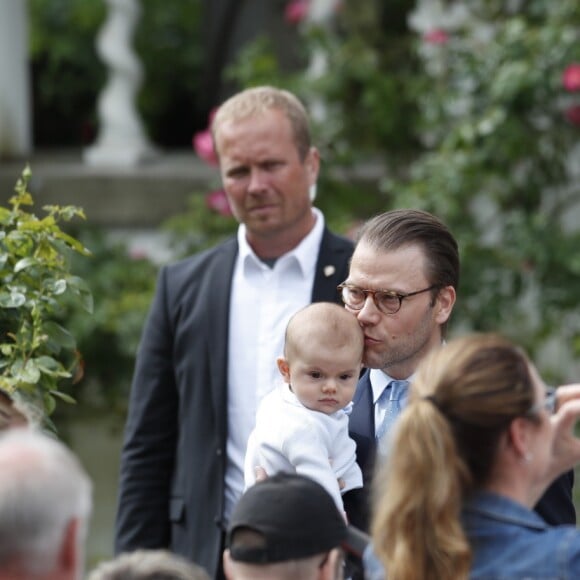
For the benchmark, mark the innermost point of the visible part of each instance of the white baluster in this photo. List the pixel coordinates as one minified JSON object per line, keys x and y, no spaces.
{"x":321,"y":13}
{"x":121,"y":140}
{"x":15,"y":116}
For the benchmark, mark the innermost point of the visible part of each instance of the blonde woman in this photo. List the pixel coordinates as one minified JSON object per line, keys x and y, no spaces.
{"x":472,"y":453}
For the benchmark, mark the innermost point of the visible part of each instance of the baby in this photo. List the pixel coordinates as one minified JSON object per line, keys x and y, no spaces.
{"x":301,"y":426}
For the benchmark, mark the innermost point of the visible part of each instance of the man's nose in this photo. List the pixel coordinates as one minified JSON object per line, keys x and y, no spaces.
{"x":369,"y":313}
{"x":257,"y":181}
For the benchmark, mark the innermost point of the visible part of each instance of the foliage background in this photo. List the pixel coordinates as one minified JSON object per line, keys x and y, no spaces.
{"x":463,"y":108}
{"x":457,"y":108}
{"x":68,"y":74}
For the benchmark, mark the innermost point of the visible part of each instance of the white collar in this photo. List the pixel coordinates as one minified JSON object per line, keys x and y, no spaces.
{"x":305,"y":253}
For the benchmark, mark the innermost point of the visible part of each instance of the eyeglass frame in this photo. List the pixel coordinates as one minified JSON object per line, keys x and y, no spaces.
{"x":399,"y":295}
{"x":550,"y":402}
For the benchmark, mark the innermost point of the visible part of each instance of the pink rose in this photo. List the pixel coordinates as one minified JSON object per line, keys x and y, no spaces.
{"x":296,"y":11}
{"x":436,"y":36}
{"x":573,"y":114}
{"x":203,"y":145}
{"x":571,"y":77}
{"x":217,"y":201}
{"x":137,"y":254}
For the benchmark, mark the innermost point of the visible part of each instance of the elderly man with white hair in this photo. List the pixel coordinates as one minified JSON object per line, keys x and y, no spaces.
{"x":45,"y":503}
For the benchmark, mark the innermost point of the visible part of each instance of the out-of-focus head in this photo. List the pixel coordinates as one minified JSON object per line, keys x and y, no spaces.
{"x":287,"y":524}
{"x":475,"y":421}
{"x":45,"y":503}
{"x":149,"y":565}
{"x":13,"y":412}
{"x":480,"y":384}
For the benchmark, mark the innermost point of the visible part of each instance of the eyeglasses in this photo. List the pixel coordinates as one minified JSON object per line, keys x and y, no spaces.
{"x":387,"y":301}
{"x":549,"y":404}
{"x":551,"y":400}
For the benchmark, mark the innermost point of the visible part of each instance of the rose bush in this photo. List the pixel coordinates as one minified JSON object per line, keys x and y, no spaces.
{"x":467,"y":110}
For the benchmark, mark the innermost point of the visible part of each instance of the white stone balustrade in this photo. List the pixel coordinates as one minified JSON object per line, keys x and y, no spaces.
{"x":121,"y":139}
{"x":15,"y":123}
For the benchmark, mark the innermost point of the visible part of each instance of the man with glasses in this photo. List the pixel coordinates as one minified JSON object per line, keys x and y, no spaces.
{"x":402,"y":287}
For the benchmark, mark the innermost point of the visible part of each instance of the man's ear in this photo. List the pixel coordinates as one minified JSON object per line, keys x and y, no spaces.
{"x":332,"y":568}
{"x":227,"y":560}
{"x":312,"y":163}
{"x":70,"y":550}
{"x":284,"y":368}
{"x":444,"y":304}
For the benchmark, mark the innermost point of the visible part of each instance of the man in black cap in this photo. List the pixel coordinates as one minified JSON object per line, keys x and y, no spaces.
{"x":286,"y":527}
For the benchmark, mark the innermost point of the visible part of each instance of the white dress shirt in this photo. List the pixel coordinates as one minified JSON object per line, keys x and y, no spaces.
{"x":263,"y":300}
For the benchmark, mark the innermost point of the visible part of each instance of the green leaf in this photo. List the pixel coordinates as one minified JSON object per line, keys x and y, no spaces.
{"x":49,"y":403}
{"x":12,"y":300}
{"x":81,"y":289}
{"x":63,"y":397}
{"x":5,"y":215}
{"x":50,"y":366}
{"x":26,"y":373}
{"x":72,"y":242}
{"x":59,"y":336}
{"x":24,"y":263}
{"x":57,"y":287}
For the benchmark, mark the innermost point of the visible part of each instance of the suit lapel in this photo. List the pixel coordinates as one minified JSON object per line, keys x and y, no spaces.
{"x":220,"y":273}
{"x":331,"y":267}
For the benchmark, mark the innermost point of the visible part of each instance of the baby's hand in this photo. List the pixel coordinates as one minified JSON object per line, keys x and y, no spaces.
{"x":260,"y":473}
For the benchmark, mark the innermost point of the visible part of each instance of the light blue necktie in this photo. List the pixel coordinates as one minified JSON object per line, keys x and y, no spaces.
{"x":393,"y":399}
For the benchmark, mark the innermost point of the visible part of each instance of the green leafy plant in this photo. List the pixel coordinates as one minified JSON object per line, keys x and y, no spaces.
{"x":122,"y":283}
{"x":68,"y":74}
{"x":36,"y":285}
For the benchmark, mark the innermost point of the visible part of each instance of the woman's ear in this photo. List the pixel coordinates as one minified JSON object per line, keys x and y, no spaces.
{"x":519,"y":437}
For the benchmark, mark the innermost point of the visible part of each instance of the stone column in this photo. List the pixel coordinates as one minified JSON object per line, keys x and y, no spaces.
{"x":15,"y":121}
{"x":121,"y":140}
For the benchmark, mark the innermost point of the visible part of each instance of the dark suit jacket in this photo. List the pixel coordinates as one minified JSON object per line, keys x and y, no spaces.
{"x":174,"y":454}
{"x":555,"y":506}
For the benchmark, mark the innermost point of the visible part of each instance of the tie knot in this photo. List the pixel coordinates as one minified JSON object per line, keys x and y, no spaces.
{"x":398,"y":389}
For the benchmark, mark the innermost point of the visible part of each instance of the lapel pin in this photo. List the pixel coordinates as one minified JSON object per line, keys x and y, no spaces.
{"x":329,"y":271}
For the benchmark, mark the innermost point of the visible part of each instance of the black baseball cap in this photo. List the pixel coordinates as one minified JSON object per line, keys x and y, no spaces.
{"x":295,"y":515}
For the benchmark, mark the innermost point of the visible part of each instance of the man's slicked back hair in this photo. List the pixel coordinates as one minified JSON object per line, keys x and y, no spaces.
{"x":395,"y":229}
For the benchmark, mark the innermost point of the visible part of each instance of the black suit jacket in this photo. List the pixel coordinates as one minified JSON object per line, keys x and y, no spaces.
{"x":555,"y":506}
{"x":174,"y":453}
